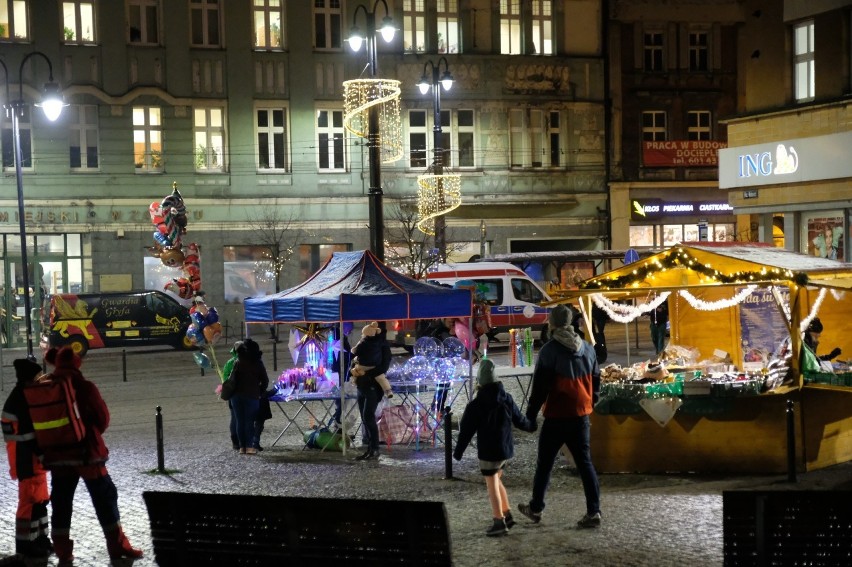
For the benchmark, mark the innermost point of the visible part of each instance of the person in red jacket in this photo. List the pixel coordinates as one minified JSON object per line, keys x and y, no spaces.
{"x":31,"y":538}
{"x":566,"y":381}
{"x":91,"y":468}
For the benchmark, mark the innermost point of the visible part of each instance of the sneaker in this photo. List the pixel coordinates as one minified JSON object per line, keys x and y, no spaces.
{"x":590,"y":521}
{"x":528,"y":512}
{"x":497,"y":528}
{"x":510,"y":521}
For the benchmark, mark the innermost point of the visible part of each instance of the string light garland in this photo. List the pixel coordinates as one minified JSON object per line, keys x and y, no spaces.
{"x":627,"y":313}
{"x":437,"y":195}
{"x":359,"y":95}
{"x":814,"y":311}
{"x":702,"y":305}
{"x":679,"y":258}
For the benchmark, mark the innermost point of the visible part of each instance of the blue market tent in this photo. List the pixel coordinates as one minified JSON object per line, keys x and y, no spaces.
{"x":356,"y":286}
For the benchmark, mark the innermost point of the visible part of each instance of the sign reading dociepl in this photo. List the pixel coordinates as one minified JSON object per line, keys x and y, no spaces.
{"x":787,"y":161}
{"x":647,"y":209}
{"x":678,"y":153}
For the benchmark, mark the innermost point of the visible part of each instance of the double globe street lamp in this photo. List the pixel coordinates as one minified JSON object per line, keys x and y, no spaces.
{"x":52,"y":105}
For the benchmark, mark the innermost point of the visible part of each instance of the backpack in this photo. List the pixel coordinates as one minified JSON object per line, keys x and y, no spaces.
{"x":59,"y":431}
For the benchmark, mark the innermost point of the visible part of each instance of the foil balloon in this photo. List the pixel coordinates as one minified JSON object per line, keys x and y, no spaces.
{"x":213,"y":332}
{"x":463,"y":333}
{"x":201,"y":359}
{"x":195,"y":335}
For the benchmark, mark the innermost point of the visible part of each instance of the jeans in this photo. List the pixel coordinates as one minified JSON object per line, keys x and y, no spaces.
{"x":574,"y":433}
{"x":658,"y":336}
{"x":101,"y":489}
{"x":245,"y":411}
{"x":235,"y":440}
{"x":368,"y":401}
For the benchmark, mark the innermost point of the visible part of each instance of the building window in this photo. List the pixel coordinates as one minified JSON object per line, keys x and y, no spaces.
{"x":554,"y":138}
{"x":78,"y":20}
{"x":698,"y":125}
{"x":534,"y":136}
{"x":448,"y":26}
{"x":313,"y":256}
{"x":542,"y":27}
{"x":331,"y":149}
{"x":417,"y":139}
{"x":269,"y":24}
{"x":83,"y":135}
{"x":510,"y":27}
{"x":698,"y":57}
{"x":413,"y":26}
{"x":654,"y":126}
{"x":327,"y":21}
{"x":653,"y":50}
{"x":249,"y":272}
{"x":209,"y":132}
{"x":25,"y":133}
{"x":144,"y":22}
{"x":147,"y":139}
{"x":204,"y":23}
{"x":803,"y":62}
{"x":13,"y":20}
{"x":272,"y":140}
{"x":466,"y":139}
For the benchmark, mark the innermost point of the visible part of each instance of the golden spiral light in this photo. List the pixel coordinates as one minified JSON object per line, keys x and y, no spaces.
{"x":437,"y":195}
{"x":359,"y":95}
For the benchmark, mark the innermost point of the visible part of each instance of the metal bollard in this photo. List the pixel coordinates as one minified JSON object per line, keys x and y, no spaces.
{"x":275,"y":355}
{"x":161,"y":458}
{"x":791,"y":443}
{"x":124,"y":364}
{"x":448,"y":444}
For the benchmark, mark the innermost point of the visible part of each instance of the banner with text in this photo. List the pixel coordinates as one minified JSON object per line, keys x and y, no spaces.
{"x":680,"y":153}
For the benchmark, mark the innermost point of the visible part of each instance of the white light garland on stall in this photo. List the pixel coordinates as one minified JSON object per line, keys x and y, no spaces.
{"x":814,"y":311}
{"x":702,"y":305}
{"x":784,"y":303}
{"x":627,"y":313}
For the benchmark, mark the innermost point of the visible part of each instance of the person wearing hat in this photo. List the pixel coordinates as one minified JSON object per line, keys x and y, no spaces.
{"x":252,"y":382}
{"x":491,"y":415}
{"x":811,"y":338}
{"x":566,"y":383}
{"x":31,"y":539}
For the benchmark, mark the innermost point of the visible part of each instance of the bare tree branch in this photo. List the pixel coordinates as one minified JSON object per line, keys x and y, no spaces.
{"x":279,"y":234}
{"x":408,"y":249}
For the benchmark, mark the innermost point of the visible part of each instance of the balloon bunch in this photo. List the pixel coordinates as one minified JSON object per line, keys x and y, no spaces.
{"x":188,"y":286}
{"x":205,"y":326}
{"x":169,"y":218}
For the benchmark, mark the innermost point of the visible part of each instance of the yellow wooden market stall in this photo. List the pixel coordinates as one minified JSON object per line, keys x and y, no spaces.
{"x":718,"y":294}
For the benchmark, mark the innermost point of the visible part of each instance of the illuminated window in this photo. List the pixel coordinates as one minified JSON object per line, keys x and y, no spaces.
{"x":143,"y":22}
{"x":83,"y":136}
{"x":698,"y":125}
{"x":249,"y":272}
{"x":272,"y":140}
{"x":654,"y":126}
{"x":803,"y":61}
{"x":147,"y":139}
{"x":465,"y":139}
{"x":25,"y":137}
{"x":327,"y":22}
{"x":13,"y":20}
{"x":510,"y":27}
{"x":78,"y":20}
{"x":331,"y":149}
{"x":534,"y":138}
{"x":205,"y":23}
{"x":417,"y":139}
{"x":448,"y":26}
{"x":269,"y":24}
{"x":209,"y":132}
{"x":413,"y":26}
{"x":542,"y":26}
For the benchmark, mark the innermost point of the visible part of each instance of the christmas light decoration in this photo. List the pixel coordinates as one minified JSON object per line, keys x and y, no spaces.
{"x":702,"y":305}
{"x":627,"y":313}
{"x":437,"y":195}
{"x":359,"y":96}
{"x":814,"y":311}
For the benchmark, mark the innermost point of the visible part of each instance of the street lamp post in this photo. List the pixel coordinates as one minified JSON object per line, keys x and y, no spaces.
{"x":377,"y":221}
{"x":437,"y":81}
{"x":52,"y":105}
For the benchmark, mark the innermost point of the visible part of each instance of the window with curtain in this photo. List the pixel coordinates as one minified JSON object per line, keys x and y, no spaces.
{"x":803,"y":61}
{"x":78,"y":21}
{"x":14,"y":25}
{"x":147,"y":139}
{"x":448,"y":26}
{"x":269,"y":24}
{"x":510,"y":27}
{"x":413,"y":26}
{"x":143,"y":23}
{"x":209,"y":134}
{"x":542,"y":26}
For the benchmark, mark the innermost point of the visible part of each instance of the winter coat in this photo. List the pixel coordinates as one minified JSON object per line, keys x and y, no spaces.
{"x":93,"y":413}
{"x":368,"y":380}
{"x":19,"y":435}
{"x":250,"y":375}
{"x":566,"y":379}
{"x":490,"y":415}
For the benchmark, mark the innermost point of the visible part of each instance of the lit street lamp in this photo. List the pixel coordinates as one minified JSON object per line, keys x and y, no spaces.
{"x":377,"y":227}
{"x":437,"y":81}
{"x":52,"y":105}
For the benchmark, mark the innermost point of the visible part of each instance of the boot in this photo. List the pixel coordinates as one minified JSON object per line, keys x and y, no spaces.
{"x":64,"y":548}
{"x":119,"y":546}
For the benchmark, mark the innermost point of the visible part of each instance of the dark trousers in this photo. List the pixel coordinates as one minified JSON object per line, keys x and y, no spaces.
{"x":245,"y":412}
{"x":658,"y":336}
{"x":573,"y":433}
{"x":101,"y":489}
{"x":368,"y":401}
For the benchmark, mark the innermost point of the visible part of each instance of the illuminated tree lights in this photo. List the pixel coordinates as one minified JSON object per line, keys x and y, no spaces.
{"x":679,"y":258}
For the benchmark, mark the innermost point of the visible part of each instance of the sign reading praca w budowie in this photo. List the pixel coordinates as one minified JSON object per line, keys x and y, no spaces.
{"x":786,"y":161}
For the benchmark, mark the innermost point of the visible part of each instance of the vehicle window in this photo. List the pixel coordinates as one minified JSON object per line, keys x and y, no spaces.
{"x":524,"y":290}
{"x":493,"y":294}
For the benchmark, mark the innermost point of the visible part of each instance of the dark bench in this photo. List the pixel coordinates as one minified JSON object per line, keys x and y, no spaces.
{"x":787,"y":527}
{"x":230,"y":529}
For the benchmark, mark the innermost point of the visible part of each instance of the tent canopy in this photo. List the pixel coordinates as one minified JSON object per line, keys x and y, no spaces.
{"x":356,"y":286}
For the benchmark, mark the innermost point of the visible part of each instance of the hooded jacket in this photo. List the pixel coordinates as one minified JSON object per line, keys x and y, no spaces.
{"x":494,"y":440}
{"x":566,"y":379}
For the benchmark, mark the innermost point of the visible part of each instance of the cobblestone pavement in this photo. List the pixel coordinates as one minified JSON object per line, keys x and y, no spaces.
{"x":648,"y":519}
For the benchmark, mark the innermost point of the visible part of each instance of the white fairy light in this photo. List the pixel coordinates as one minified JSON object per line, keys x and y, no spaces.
{"x":702,"y":305}
{"x":627,"y":313}
{"x":814,"y":311}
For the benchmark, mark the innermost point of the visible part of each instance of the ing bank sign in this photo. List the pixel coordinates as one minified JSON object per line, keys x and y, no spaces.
{"x":789,"y":161}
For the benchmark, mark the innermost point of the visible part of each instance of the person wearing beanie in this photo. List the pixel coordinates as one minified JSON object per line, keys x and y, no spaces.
{"x":490,"y":416}
{"x":91,"y":467}
{"x":812,"y":336}
{"x":566,"y":384}
{"x":31,"y":539}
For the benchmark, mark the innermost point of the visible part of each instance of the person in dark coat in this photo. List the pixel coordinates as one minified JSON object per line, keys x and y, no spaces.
{"x":491,"y":415}
{"x":252,"y":381}
{"x":369,"y":395}
{"x":811,"y":339}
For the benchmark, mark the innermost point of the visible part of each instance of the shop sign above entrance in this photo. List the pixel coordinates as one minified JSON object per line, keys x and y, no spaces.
{"x":648,"y":209}
{"x":786,"y":161}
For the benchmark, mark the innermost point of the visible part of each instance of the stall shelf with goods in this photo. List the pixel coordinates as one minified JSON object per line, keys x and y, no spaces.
{"x":716,"y":398}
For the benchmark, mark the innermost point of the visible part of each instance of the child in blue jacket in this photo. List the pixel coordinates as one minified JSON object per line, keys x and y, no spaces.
{"x":490,"y":415}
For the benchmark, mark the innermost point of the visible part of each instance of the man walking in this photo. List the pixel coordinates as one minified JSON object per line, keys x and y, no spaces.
{"x":566,"y":381}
